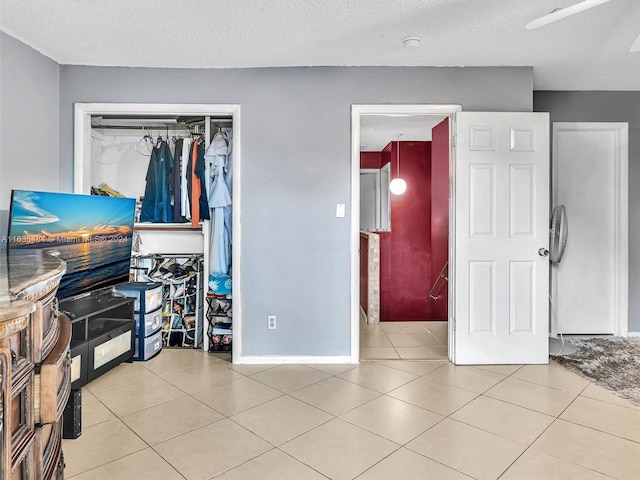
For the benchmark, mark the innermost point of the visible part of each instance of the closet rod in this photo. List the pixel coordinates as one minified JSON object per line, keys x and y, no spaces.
{"x":153,"y":128}
{"x":142,"y":127}
{"x":176,"y":126}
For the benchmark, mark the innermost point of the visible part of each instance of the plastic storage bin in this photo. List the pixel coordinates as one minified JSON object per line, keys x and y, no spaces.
{"x":148,"y":347}
{"x":148,"y":295}
{"x":148,"y":316}
{"x":151,"y":322}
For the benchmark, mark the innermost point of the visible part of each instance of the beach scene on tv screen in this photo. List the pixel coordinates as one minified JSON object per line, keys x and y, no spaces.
{"x":93,"y":234}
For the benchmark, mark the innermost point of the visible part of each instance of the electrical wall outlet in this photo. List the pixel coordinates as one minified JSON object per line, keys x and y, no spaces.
{"x":271,"y":322}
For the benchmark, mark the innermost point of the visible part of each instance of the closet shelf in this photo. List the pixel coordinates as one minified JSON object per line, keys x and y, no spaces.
{"x":167,"y":227}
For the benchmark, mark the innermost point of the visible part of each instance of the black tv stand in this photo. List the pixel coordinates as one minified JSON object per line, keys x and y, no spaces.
{"x":102,"y":333}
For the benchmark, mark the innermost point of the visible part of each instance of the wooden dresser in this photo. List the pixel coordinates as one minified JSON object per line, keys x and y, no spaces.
{"x":34,"y":366}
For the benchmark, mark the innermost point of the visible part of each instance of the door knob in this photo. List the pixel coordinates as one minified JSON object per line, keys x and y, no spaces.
{"x":543,"y":252}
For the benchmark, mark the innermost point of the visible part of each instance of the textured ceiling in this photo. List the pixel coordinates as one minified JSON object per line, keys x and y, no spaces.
{"x":376,"y":131}
{"x":589,"y":51}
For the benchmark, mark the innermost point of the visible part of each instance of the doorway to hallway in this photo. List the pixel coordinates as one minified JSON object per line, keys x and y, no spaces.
{"x":415,"y":246}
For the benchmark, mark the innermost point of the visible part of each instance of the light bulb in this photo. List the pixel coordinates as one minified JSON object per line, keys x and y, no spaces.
{"x":398,"y":186}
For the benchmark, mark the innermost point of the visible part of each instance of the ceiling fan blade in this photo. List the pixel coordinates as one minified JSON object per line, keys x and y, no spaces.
{"x":563,"y":13}
{"x":636,"y":45}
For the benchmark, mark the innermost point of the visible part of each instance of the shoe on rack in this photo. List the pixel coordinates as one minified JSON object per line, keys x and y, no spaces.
{"x":164,"y":268}
{"x":217,"y":309}
{"x":178,"y":272}
{"x":190,"y":265}
{"x":212,"y":294}
{"x":191,"y":304}
{"x":179,"y":292}
{"x":176,"y":339}
{"x":173,"y":272}
{"x":177,"y":308}
{"x":189,"y":322}
{"x":153,"y":272}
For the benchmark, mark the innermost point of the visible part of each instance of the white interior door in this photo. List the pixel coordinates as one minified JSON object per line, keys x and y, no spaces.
{"x":590,"y":284}
{"x":501,"y":277}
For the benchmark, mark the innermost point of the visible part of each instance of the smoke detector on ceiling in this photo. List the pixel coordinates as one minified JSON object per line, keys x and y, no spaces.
{"x":411,"y":42}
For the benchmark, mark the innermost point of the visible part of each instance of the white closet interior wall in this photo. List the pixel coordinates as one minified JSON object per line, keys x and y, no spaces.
{"x":116,"y":162}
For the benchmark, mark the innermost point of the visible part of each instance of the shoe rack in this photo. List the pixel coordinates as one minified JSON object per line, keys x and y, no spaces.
{"x":182,"y":295}
{"x":219,"y":322}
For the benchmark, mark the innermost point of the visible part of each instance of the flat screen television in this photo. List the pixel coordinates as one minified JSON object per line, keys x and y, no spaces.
{"x":92,"y":234}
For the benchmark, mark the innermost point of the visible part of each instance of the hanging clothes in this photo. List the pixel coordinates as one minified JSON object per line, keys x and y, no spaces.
{"x":229,"y":165}
{"x":185,"y":211}
{"x":156,"y":204}
{"x":201,"y":174}
{"x":195,"y":182}
{"x":217,"y":156}
{"x":194,"y":186}
{"x":176,"y":182}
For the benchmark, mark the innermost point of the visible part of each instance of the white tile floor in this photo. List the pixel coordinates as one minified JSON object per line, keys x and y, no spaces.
{"x":404,"y":340}
{"x":190,"y":415}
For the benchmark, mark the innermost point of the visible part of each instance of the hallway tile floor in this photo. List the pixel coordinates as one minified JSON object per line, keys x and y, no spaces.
{"x":190,"y":415}
{"x":404,"y":340}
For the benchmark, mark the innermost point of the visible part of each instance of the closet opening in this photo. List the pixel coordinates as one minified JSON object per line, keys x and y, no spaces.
{"x":116,"y":146}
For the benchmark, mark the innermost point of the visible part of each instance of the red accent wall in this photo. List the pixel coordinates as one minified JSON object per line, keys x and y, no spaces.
{"x":364,"y":273}
{"x":439,"y":214}
{"x":370,"y":159}
{"x":405,"y":252}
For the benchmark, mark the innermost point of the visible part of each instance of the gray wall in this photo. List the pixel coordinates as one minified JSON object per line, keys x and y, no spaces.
{"x":3,"y":210}
{"x":296,"y":144}
{"x":608,"y":107}
{"x":29,"y":119}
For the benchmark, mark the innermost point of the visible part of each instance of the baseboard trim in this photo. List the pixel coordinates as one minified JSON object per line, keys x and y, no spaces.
{"x":633,"y":334}
{"x":280,"y":360}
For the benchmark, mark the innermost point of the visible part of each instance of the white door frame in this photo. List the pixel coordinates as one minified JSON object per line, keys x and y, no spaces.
{"x":400,"y":110}
{"x":621,"y":215}
{"x":82,"y":173}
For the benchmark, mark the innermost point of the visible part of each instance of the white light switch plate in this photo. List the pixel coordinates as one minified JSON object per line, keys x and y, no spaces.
{"x":340,"y":210}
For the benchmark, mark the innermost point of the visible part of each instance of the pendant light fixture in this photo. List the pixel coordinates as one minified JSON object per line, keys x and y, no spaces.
{"x":398,"y":186}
